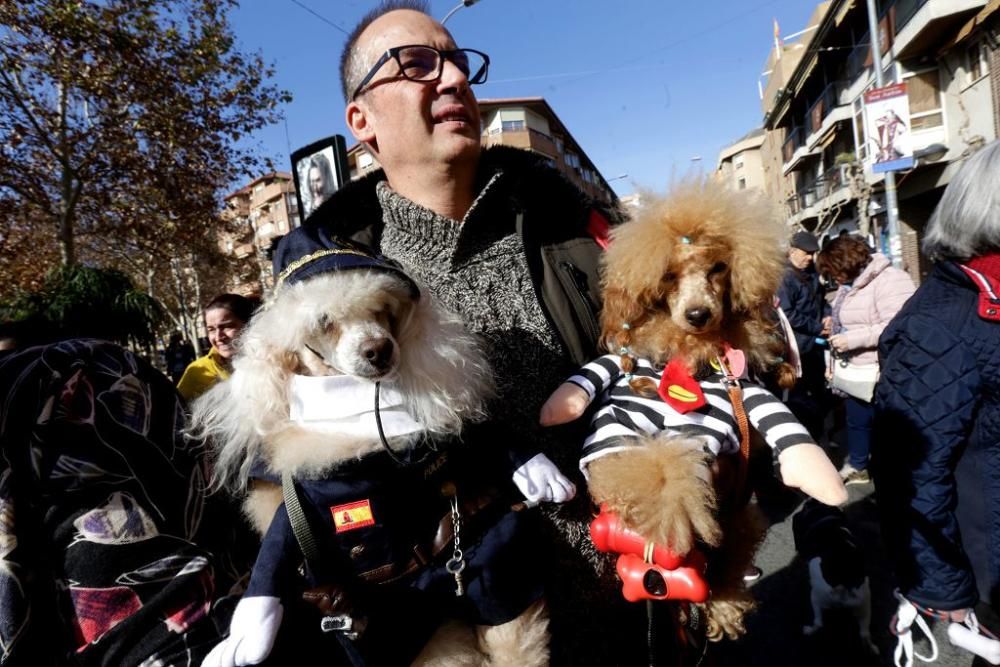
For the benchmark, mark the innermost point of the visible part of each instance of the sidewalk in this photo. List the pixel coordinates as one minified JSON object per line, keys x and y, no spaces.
{"x":774,"y":637}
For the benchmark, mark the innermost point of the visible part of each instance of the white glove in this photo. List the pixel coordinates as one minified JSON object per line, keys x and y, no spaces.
{"x":251,"y":633}
{"x":540,"y":480}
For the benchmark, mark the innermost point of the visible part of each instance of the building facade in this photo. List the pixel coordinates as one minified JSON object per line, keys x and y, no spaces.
{"x":523,"y":122}
{"x":263,"y":211}
{"x":741,"y":165}
{"x":946,"y":51}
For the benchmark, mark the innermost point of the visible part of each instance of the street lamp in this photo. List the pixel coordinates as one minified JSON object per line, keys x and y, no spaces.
{"x":464,"y":3}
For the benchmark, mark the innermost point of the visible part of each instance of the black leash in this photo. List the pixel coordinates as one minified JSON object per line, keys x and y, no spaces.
{"x":381,"y":433}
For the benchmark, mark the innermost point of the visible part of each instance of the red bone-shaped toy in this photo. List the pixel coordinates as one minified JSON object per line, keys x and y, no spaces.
{"x":667,"y":577}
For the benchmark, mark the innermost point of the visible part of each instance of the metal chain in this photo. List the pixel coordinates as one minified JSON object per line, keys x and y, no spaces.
{"x":456,"y":563}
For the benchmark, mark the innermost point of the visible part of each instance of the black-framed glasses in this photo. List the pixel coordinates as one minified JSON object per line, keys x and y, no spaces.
{"x":418,"y":62}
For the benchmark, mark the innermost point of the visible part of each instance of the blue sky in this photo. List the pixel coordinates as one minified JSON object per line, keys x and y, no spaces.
{"x":643,"y":85}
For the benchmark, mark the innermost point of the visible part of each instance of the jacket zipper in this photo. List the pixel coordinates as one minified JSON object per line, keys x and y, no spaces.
{"x":576,"y":289}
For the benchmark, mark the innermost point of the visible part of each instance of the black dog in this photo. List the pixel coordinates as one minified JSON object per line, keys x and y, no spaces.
{"x":837,"y":576}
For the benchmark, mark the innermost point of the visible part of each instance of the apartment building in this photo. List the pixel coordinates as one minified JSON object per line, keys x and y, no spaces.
{"x":948,"y":54}
{"x":524,"y":122}
{"x":741,"y":165}
{"x":264,"y":210}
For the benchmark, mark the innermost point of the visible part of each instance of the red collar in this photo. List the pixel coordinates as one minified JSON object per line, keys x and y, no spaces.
{"x":984,"y":272}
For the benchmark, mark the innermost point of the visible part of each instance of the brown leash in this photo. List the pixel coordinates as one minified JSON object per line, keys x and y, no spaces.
{"x":732,"y":383}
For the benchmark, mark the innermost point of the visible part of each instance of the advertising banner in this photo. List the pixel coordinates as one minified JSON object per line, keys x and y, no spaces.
{"x":887,"y":120}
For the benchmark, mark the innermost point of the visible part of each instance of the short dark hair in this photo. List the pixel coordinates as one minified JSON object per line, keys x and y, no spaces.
{"x":349,"y":58}
{"x":241,"y":306}
{"x":844,"y":258}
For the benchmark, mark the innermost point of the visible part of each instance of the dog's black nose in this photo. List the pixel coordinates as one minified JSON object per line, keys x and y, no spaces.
{"x":697,"y":316}
{"x":377,"y":352}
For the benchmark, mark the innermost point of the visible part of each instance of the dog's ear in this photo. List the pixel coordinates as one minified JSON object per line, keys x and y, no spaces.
{"x":444,"y":376}
{"x":620,"y":308}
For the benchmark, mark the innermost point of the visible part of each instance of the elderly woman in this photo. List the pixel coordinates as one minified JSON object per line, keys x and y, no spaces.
{"x":871,"y":293}
{"x":937,"y":420}
{"x":225,"y":317}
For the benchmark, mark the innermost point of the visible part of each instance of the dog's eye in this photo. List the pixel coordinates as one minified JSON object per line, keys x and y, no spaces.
{"x":719,"y":267}
{"x":325,"y":321}
{"x":669,"y":277}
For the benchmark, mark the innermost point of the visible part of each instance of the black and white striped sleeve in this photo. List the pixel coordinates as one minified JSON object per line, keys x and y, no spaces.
{"x":598,"y":375}
{"x":773,"y":420}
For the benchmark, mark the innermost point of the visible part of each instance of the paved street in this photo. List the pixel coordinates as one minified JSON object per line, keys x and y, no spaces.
{"x":775,"y":638}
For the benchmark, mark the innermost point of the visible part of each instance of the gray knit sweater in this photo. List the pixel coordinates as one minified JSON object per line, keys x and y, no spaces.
{"x":477,"y":268}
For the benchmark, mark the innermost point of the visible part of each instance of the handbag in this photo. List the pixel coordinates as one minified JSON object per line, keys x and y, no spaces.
{"x":857,"y":381}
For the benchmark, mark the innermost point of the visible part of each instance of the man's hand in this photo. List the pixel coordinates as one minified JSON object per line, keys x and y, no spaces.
{"x":838,"y":342}
{"x":827,"y":326}
{"x":251,"y":634}
{"x":540,"y":480}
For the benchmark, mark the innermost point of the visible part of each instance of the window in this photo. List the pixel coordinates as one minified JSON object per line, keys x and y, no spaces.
{"x":924,"y":91}
{"x":860,"y":141}
{"x":512,"y":125}
{"x":978,"y":61}
{"x":365,"y":160}
{"x":559,"y":144}
{"x":738,"y":161}
{"x":742,"y":184}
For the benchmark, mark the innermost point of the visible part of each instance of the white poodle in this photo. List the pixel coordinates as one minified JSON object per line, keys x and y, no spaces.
{"x":339,"y":370}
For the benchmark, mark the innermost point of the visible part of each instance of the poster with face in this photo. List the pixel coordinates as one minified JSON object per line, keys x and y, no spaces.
{"x":319,"y":170}
{"x":887,"y":113}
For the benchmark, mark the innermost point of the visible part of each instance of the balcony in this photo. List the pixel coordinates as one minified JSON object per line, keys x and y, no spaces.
{"x":792,"y":142}
{"x":922,"y":25}
{"x":795,"y":152}
{"x":821,"y":197}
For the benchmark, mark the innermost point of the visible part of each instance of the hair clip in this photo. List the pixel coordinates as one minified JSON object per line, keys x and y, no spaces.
{"x":626,"y":326}
{"x":628,"y":377}
{"x":686,"y":240}
{"x":623,"y":350}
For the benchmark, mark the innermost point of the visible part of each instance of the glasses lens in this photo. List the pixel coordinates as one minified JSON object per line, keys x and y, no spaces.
{"x":419,"y":63}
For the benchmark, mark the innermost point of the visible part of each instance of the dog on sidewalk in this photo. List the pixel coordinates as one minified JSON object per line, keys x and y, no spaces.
{"x":837,"y":578}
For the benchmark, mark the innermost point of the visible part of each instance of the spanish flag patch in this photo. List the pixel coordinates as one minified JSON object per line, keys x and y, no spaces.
{"x":352,"y":515}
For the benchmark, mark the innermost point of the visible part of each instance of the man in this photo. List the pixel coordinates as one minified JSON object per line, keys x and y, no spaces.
{"x":804,"y":303}
{"x":506,"y":242}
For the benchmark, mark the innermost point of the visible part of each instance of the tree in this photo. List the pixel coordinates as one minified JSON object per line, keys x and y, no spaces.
{"x":120,"y":127}
{"x":78,"y":301}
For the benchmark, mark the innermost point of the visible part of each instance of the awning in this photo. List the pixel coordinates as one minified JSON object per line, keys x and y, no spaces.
{"x":963,"y":33}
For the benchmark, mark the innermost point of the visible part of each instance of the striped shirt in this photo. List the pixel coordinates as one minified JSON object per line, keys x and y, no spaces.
{"x":625,"y":416}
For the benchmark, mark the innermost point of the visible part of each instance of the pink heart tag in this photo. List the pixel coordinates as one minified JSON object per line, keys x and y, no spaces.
{"x":737,"y":362}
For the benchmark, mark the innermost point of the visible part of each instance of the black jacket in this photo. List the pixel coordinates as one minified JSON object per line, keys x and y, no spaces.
{"x":804,"y":303}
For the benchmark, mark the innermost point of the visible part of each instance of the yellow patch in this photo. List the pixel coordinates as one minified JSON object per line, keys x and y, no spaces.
{"x":679,"y":393}
{"x":714,"y":363}
{"x":352,"y":515}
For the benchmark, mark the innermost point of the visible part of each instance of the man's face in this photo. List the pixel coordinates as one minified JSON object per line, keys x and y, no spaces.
{"x":413,"y":124}
{"x":799,"y":258}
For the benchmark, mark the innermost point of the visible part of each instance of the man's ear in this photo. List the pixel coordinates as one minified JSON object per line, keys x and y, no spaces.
{"x":359,"y":121}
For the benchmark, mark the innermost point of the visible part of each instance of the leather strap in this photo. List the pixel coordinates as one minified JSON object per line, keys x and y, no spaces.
{"x":741,"y":496}
{"x":736,"y":398}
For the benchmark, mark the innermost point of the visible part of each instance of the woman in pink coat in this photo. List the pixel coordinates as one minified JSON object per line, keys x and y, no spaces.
{"x":871,"y":293}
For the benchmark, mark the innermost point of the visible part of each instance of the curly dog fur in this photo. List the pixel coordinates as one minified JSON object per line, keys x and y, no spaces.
{"x":694,"y":271}
{"x":366,"y":324}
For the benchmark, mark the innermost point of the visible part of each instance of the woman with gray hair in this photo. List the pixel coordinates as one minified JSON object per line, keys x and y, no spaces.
{"x":936,"y":458}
